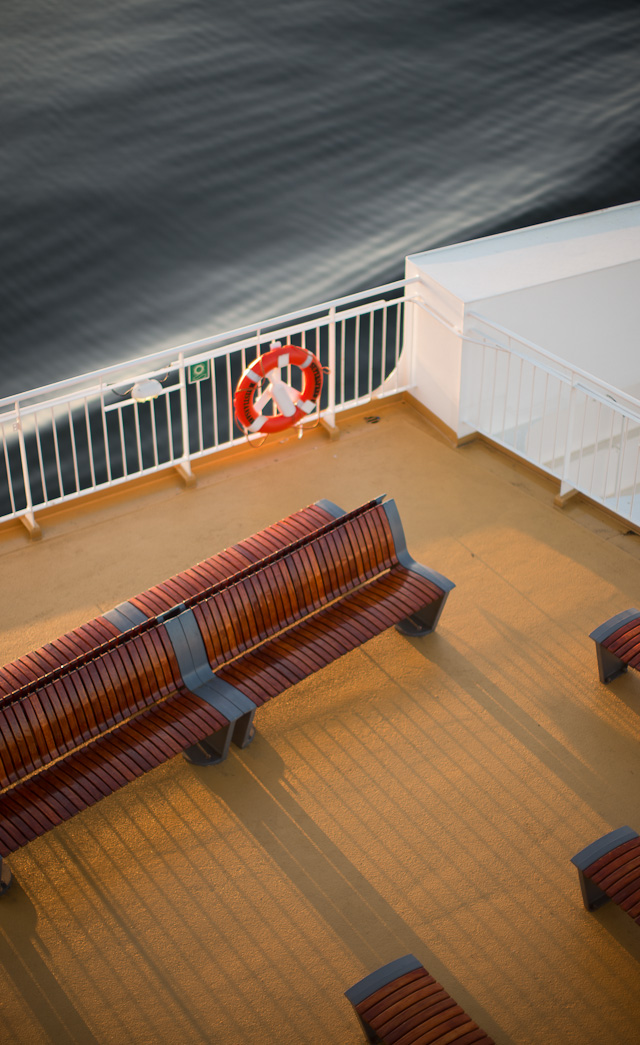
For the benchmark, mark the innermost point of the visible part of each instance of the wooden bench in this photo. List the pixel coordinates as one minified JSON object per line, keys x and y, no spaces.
{"x":401,"y":1004}
{"x":163,"y":596}
{"x":609,"y":869}
{"x":190,"y":678}
{"x":618,"y":644}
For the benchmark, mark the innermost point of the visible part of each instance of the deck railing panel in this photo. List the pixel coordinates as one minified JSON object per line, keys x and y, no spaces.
{"x":576,"y":428}
{"x":68,"y":439}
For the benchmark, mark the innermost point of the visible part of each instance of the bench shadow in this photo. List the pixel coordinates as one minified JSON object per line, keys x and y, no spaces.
{"x":157,"y":971}
{"x":626,"y":688}
{"x":340,"y":894}
{"x":23,"y":965}
{"x":620,"y":926}
{"x":584,"y":781}
{"x":573,"y":771}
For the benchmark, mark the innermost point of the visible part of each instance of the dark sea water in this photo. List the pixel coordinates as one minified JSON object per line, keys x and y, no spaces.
{"x":174,"y":168}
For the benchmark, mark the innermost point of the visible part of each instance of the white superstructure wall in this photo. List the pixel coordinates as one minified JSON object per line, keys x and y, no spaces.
{"x":568,"y":287}
{"x":591,"y":321}
{"x":434,"y":323}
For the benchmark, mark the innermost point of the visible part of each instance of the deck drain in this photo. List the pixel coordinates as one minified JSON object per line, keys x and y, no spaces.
{"x":372,"y":420}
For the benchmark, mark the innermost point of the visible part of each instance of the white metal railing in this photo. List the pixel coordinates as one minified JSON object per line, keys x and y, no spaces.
{"x":71,"y":438}
{"x":575,"y":427}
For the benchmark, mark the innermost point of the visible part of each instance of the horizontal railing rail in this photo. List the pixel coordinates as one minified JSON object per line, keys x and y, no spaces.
{"x":71,"y":438}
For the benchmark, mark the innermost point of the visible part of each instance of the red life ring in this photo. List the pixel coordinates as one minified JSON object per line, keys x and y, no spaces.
{"x":292,"y":407}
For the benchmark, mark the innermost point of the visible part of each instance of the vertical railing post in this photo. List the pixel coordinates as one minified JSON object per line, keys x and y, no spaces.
{"x":183,"y":466}
{"x":403,"y":375}
{"x":566,"y":487}
{"x":28,"y":519}
{"x":410,"y":339}
{"x":329,"y":419}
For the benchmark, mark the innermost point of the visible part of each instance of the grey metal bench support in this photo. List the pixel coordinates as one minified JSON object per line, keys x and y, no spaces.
{"x":592,"y":896}
{"x":609,"y":665}
{"x":5,"y":876}
{"x":424,"y":621}
{"x":125,"y":616}
{"x":198,"y":677}
{"x":331,"y":507}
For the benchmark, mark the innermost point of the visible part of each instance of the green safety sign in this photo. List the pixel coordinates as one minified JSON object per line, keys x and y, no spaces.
{"x":199,"y":371}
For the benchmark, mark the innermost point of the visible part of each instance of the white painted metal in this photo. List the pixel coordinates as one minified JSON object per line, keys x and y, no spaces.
{"x":581,"y":430}
{"x":67,"y":439}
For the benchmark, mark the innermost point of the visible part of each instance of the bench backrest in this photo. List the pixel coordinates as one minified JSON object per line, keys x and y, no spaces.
{"x":162,"y":597}
{"x":294,"y":583}
{"x":60,"y":715}
{"x":225,"y":564}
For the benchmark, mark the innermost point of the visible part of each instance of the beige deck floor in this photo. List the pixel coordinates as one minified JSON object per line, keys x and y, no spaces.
{"x":418,"y":796}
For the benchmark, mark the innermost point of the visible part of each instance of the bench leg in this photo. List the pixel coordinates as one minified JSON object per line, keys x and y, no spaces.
{"x":592,"y":896}
{"x":212,"y":750}
{"x":5,"y":877}
{"x":244,"y":730}
{"x":370,"y":1034}
{"x":423,"y":621}
{"x":609,"y":666}
{"x":215,"y":748}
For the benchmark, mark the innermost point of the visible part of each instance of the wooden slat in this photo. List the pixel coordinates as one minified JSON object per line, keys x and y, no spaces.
{"x":53,"y":699}
{"x":286,"y":590}
{"x":363,"y":615}
{"x":315,"y":642}
{"x":617,"y":867}
{"x":15,"y":675}
{"x":615,"y":882}
{"x":18,"y":738}
{"x":28,"y":817}
{"x":414,"y":1009}
{"x":37,"y":663}
{"x":80,"y":705}
{"x":417,"y":1020}
{"x":400,"y":996}
{"x":613,"y":854}
{"x":629,"y":899}
{"x":628,"y":649}
{"x":12,"y":835}
{"x":626,"y":633}
{"x":68,"y":646}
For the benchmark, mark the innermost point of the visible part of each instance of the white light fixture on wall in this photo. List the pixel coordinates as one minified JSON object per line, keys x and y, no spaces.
{"x":145,"y":390}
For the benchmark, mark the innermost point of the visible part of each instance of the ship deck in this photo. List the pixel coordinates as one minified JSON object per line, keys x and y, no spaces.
{"x":418,"y":796}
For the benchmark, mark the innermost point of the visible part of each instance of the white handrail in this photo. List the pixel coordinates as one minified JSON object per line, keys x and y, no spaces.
{"x":101,"y":389}
{"x":193,"y":346}
{"x":558,"y":363}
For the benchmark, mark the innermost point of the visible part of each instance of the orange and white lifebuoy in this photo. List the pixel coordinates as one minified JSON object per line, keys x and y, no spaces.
{"x":292,"y":405}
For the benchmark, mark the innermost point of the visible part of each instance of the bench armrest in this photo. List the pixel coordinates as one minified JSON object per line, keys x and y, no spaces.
{"x":610,"y":665}
{"x":404,"y":558}
{"x":592,"y":896}
{"x":603,"y":631}
{"x":375,"y":980}
{"x":602,"y":846}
